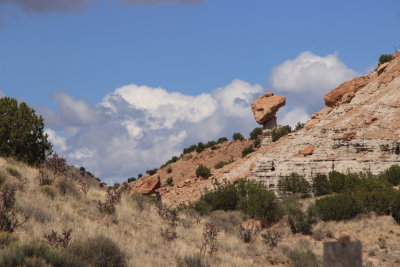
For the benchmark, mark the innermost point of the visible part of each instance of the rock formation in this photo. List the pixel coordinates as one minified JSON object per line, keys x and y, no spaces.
{"x":265,"y":108}
{"x":357,"y":131}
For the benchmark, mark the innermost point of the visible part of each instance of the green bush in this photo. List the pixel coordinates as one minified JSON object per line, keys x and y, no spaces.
{"x":396,"y":207}
{"x":203,"y":171}
{"x":392,"y":175}
{"x":35,"y":252}
{"x":253,"y":198}
{"x":131,"y":179}
{"x":299,"y":126}
{"x":385,"y":58}
{"x":294,"y":184}
{"x":22,"y":133}
{"x":321,"y":185}
{"x":340,"y":182}
{"x":247,"y":150}
{"x":221,"y":164}
{"x":279,"y":132}
{"x":255,"y":133}
{"x":99,"y":251}
{"x":299,"y":222}
{"x":237,"y":136}
{"x":302,"y":257}
{"x":152,"y":171}
{"x":67,"y":187}
{"x":222,"y":139}
{"x":256,"y":143}
{"x":339,"y":207}
{"x":170,"y":181}
{"x":200,"y":147}
{"x":169,"y":170}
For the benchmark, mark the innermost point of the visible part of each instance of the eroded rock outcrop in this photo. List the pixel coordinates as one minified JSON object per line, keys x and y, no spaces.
{"x":265,"y":108}
{"x":146,"y":185}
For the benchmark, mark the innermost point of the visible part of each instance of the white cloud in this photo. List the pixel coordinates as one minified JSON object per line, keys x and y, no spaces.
{"x":310,"y":73}
{"x":136,"y":127}
{"x":59,"y":142}
{"x":293,"y":117}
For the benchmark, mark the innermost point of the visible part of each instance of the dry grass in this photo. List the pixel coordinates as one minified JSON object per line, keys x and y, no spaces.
{"x":135,"y":228}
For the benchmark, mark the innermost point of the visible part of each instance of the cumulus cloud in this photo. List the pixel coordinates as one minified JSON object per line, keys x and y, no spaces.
{"x":305,"y":79}
{"x":293,"y":116}
{"x":139,"y":127}
{"x":310,"y":73}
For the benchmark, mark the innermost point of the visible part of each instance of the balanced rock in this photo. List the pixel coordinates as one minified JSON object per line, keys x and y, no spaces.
{"x":345,"y":92}
{"x":265,"y":108}
{"x":146,"y":185}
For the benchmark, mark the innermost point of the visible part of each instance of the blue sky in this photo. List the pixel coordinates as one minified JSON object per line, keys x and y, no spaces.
{"x":66,"y":59}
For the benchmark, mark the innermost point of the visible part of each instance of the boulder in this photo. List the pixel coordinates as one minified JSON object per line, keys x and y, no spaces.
{"x":146,"y":185}
{"x":345,"y":92}
{"x":308,"y":150}
{"x":265,"y":107}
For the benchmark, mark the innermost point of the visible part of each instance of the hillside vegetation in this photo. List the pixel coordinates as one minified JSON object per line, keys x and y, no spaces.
{"x":92,"y":226}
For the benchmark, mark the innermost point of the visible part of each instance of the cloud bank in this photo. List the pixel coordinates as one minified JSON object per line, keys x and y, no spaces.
{"x":306,"y":79}
{"x":138,"y":127}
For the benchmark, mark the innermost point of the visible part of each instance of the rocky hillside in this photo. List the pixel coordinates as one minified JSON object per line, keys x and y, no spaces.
{"x":357,"y":131}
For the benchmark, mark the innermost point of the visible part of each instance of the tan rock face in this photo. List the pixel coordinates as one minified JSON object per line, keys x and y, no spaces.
{"x":308,"y":150}
{"x":146,"y":185}
{"x":265,"y":107}
{"x":346,"y":91}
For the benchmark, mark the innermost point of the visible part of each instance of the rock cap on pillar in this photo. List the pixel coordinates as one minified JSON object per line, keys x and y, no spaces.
{"x":265,"y":108}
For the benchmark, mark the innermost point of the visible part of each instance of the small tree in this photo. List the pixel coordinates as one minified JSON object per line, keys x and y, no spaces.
{"x":392,"y":175}
{"x":22,"y":133}
{"x":238,"y":136}
{"x":320,"y":185}
{"x":203,"y":171}
{"x":222,"y":139}
{"x":255,"y":133}
{"x":279,"y":132}
{"x":247,"y":150}
{"x":294,"y":184}
{"x":385,"y":58}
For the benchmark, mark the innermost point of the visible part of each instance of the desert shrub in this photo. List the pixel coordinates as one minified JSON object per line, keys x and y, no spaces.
{"x":222,"y":139}
{"x":339,"y":207}
{"x":299,"y":222}
{"x":113,"y":197}
{"x":99,"y":251}
{"x":67,"y":187}
{"x":211,"y":143}
{"x":396,"y":207}
{"x":340,"y":182}
{"x":14,"y":172}
{"x":221,"y":164}
{"x":385,"y":58}
{"x":294,"y":184}
{"x":209,"y":244}
{"x":22,"y":133}
{"x":251,"y":197}
{"x":56,"y":165}
{"x":34,"y":253}
{"x":131,"y":179}
{"x":172,"y":160}
{"x":60,"y":241}
{"x":8,"y":216}
{"x":249,"y":232}
{"x":189,"y":149}
{"x":255,"y":133}
{"x":152,"y":171}
{"x":256,"y":143}
{"x":302,"y":257}
{"x":392,"y":175}
{"x":200,"y":147}
{"x":116,"y":186}
{"x":374,"y":195}
{"x":169,"y":170}
{"x":196,"y":260}
{"x":237,"y":136}
{"x":170,"y":216}
{"x":6,"y":239}
{"x":258,"y":202}
{"x":247,"y":150}
{"x":203,"y":171}
{"x":48,"y":190}
{"x":299,"y":126}
{"x":271,"y":238}
{"x":45,"y":178}
{"x":279,"y":132}
{"x":321,"y":185}
{"x":170,"y":181}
